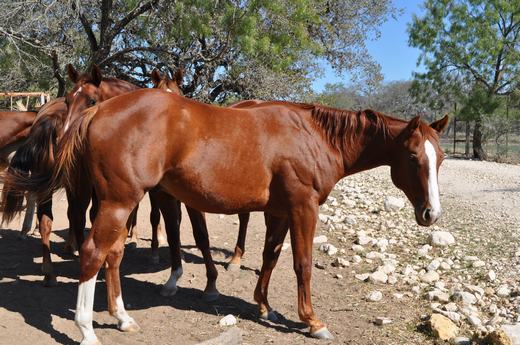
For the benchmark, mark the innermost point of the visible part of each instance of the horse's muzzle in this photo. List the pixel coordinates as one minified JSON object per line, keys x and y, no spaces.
{"x":425,"y":216}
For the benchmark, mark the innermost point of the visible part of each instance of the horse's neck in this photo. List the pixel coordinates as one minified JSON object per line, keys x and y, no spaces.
{"x":368,"y":152}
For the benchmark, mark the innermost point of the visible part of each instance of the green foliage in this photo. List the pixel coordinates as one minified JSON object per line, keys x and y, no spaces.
{"x":392,"y":98}
{"x":473,"y":41}
{"x":228,"y":48}
{"x":471,"y":50}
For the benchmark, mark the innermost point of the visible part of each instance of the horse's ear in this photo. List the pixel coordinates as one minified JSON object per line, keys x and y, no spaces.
{"x":96,"y":75}
{"x":413,"y":124}
{"x":156,"y":77}
{"x":178,"y":76}
{"x":440,"y":125}
{"x":73,"y":74}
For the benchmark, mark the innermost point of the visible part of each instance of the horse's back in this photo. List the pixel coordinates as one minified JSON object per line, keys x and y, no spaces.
{"x":212,"y":158}
{"x":14,"y":126}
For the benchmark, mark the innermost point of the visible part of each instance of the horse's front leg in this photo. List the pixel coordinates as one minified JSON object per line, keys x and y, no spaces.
{"x":158,"y":236}
{"x":275,"y":234}
{"x":200,"y":232}
{"x":171,"y":211}
{"x":303,"y":225}
{"x":240,"y":247}
{"x":78,"y":203}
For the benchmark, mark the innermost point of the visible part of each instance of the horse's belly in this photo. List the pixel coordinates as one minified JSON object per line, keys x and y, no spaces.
{"x":217,"y":194}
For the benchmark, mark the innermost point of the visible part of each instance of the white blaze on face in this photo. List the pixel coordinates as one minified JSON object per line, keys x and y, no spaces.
{"x":84,"y":306}
{"x":78,"y":91}
{"x":433,"y":186}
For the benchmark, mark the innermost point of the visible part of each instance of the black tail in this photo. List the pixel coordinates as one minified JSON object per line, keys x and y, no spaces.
{"x":34,"y":158}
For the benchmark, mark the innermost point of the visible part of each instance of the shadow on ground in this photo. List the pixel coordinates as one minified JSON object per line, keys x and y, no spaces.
{"x":22,"y":290}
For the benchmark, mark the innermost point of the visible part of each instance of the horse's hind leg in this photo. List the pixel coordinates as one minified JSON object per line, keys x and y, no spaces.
{"x":171,"y":211}
{"x":104,"y":243}
{"x":29,"y":215}
{"x":45,"y":221}
{"x":240,"y":247}
{"x":116,"y":306}
{"x":275,"y":234}
{"x":200,"y":232}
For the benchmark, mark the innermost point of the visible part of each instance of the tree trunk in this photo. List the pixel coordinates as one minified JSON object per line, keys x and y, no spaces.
{"x":478,"y":150}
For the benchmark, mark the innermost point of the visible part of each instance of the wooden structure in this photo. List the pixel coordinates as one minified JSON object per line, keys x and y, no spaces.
{"x":44,"y":97}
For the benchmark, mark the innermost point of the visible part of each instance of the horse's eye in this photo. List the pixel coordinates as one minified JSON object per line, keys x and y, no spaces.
{"x":413,"y":158}
{"x":91,"y":102}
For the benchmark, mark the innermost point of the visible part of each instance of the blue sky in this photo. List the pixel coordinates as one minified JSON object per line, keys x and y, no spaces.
{"x":391,"y":50}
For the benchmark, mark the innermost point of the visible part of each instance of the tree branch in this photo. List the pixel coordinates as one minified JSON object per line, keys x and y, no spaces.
{"x":87,"y":26}
{"x":136,"y":12}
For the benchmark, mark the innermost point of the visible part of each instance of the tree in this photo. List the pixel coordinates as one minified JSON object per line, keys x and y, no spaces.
{"x":393,"y":98}
{"x":473,"y":42}
{"x":229,"y":49}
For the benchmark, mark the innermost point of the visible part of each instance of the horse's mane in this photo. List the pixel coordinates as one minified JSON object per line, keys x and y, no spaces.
{"x":341,"y":127}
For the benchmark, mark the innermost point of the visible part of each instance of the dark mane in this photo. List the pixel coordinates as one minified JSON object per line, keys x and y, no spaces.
{"x":342,"y":126}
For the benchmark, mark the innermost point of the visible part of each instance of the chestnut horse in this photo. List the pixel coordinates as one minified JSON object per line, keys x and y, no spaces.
{"x":278,"y":157}
{"x":90,"y":89}
{"x":14,"y":128}
{"x":36,"y":155}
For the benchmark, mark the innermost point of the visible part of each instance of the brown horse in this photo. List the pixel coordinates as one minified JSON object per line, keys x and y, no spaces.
{"x":14,"y":129}
{"x":36,"y":155}
{"x":277,"y":157}
{"x":88,"y":91}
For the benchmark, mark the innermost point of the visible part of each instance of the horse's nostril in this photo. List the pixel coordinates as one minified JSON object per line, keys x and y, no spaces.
{"x":427,"y":215}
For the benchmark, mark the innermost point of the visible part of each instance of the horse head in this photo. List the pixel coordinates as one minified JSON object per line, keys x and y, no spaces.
{"x":164,"y":83}
{"x":415,"y":164}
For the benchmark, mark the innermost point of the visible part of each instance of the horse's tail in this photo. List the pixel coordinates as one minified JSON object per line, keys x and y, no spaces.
{"x":36,"y":157}
{"x":69,"y":170}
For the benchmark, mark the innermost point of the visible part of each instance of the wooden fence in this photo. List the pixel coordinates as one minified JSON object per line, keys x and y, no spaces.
{"x":42,"y":96}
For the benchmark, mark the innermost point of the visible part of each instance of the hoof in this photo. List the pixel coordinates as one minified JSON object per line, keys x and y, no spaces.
{"x":233,"y":267}
{"x":50,"y":281}
{"x":131,"y":245}
{"x":322,"y":333}
{"x":129,"y":326}
{"x":270,"y":316}
{"x":168,"y":292}
{"x":210,"y":296}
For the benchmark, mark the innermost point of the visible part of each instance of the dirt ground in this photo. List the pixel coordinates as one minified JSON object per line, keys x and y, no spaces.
{"x":31,"y":313}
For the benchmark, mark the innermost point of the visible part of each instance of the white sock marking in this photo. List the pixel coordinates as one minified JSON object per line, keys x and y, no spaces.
{"x":121,"y":315}
{"x":433,"y":185}
{"x":84,"y":306}
{"x":171,"y":284}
